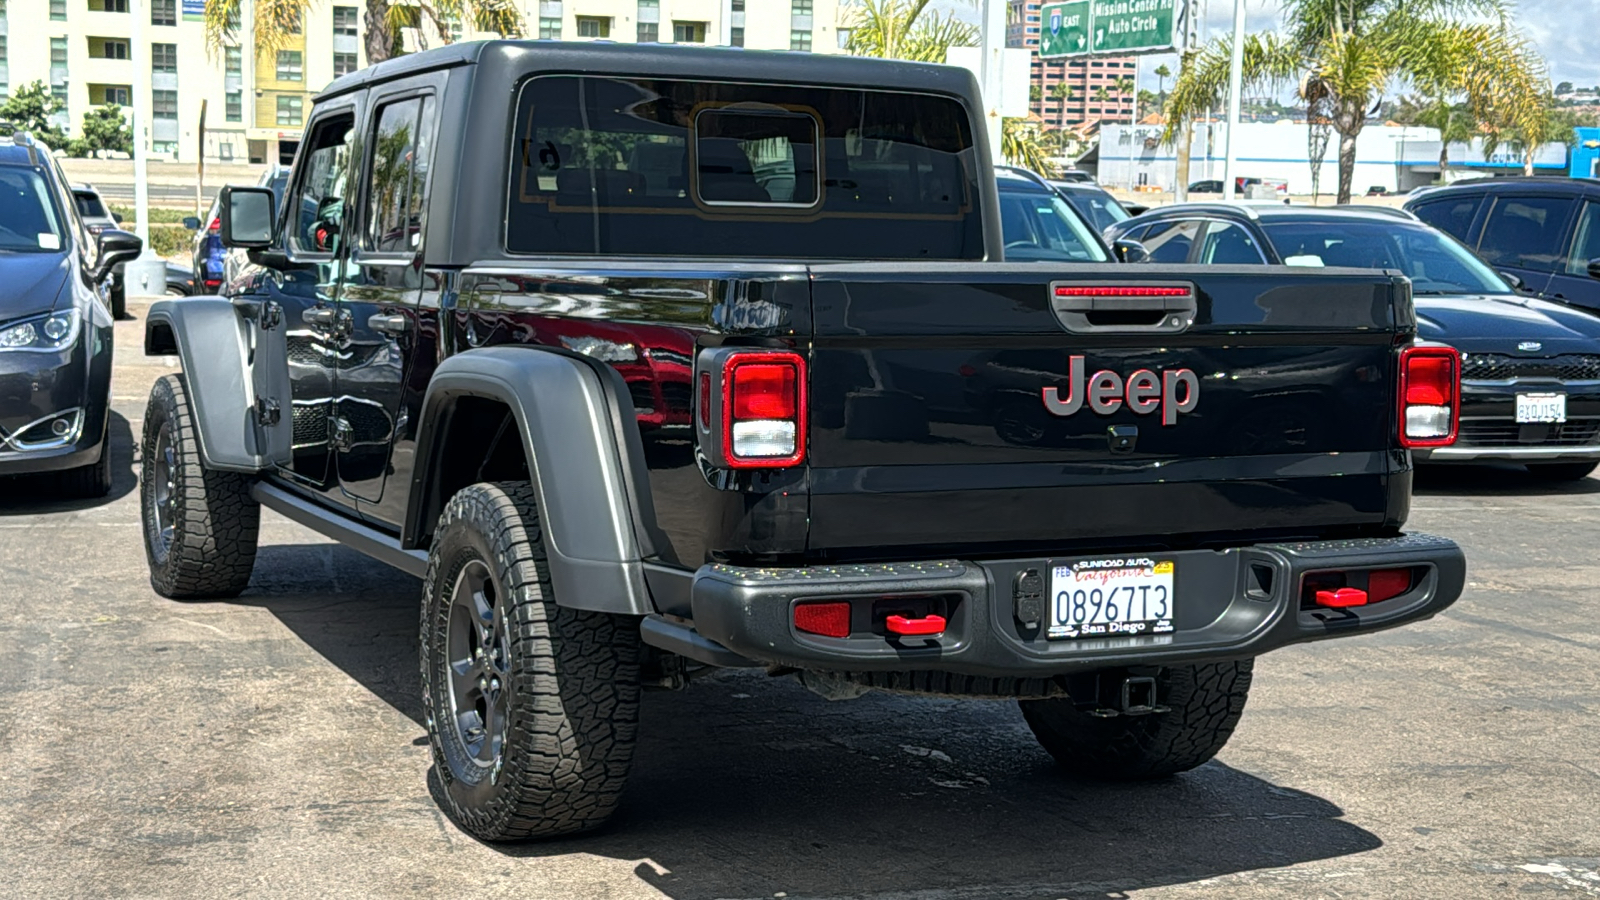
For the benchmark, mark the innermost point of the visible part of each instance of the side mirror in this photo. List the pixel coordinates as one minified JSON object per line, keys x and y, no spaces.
{"x":1517,"y":284}
{"x":247,"y":217}
{"x":191,"y":223}
{"x":117,"y":218}
{"x":1594,"y":268}
{"x":1130,"y":251}
{"x":115,"y":248}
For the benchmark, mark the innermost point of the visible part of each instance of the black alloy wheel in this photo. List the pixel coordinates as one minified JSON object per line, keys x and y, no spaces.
{"x":479,"y":658}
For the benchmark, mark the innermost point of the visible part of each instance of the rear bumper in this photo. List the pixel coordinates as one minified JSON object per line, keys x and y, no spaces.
{"x":1222,"y":611}
{"x":1489,"y":429}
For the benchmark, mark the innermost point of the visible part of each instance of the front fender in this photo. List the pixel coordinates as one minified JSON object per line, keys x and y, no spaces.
{"x":589,"y":500}
{"x":211,"y":340}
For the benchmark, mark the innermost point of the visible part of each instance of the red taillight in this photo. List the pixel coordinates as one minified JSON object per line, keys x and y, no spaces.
{"x":1430,"y":396}
{"x":705,"y":400}
{"x":1386,"y":584}
{"x":215,"y":226}
{"x":763,"y":391}
{"x":826,"y":619}
{"x":213,"y":282}
{"x":763,"y":409}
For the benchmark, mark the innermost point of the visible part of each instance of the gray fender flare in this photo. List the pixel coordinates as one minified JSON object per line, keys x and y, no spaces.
{"x":593,"y":499}
{"x":212,"y":342}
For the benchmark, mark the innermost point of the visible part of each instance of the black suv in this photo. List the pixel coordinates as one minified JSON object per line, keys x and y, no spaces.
{"x":55,"y":326}
{"x":1545,"y":231}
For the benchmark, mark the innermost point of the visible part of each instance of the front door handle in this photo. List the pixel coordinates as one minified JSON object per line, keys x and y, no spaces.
{"x":394,"y":324}
{"x":318,"y":315}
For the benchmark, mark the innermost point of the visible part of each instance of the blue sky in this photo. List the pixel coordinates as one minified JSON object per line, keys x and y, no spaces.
{"x":1567,"y":32}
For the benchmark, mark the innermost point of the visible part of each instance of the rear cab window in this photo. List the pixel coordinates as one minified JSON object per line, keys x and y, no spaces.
{"x":625,"y":166}
{"x":1526,"y":232}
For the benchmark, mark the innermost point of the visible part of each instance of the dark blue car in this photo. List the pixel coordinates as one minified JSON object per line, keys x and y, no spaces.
{"x":1530,"y":390}
{"x":209,"y":255}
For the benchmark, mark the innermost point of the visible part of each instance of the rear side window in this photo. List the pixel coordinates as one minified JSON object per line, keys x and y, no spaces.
{"x":1170,"y":242}
{"x":684,"y":168}
{"x":1526,"y":232}
{"x":1229,"y":244}
{"x":1451,"y":215}
{"x":401,"y":152}
{"x":90,"y":205}
{"x":1586,"y":243}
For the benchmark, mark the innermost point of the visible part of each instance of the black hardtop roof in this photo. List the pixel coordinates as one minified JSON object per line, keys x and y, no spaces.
{"x":670,"y":61}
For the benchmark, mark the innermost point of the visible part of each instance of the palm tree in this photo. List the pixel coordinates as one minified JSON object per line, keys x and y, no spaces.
{"x":277,"y":21}
{"x":1124,"y":87}
{"x":1344,"y":53}
{"x":1542,"y":124}
{"x":1022,"y":143}
{"x":1062,"y":92}
{"x":1102,"y":96}
{"x":1454,"y":123}
{"x":1162,"y":74}
{"x":904,"y":29}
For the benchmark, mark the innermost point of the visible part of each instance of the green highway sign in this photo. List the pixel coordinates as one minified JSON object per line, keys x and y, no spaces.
{"x":1086,"y":27}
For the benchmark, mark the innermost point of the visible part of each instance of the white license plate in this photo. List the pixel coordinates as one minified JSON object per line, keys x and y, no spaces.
{"x":1109,"y":597}
{"x":1541,"y":408}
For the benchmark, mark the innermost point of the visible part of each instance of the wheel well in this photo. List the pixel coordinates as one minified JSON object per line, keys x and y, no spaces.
{"x":159,"y":340}
{"x":477,"y":440}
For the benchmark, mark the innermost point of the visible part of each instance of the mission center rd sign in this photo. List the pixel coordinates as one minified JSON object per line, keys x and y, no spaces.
{"x":1086,"y":27}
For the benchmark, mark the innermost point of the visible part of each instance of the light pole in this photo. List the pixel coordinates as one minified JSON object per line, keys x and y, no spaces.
{"x":993,"y":40}
{"x":147,"y":275}
{"x":1235,"y":84}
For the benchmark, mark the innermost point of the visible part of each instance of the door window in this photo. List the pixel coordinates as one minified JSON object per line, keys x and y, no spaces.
{"x":401,"y":151}
{"x":1586,"y":244}
{"x":316,"y":213}
{"x":1170,"y":242}
{"x":1526,"y":233}
{"x":1229,"y":244}
{"x":1451,"y":215}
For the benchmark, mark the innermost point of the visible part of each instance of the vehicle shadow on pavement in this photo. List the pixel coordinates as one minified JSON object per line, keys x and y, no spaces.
{"x":25,"y":495}
{"x":1493,"y":480}
{"x":745,"y":785}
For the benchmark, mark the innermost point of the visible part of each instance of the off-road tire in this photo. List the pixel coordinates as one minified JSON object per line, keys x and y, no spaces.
{"x":1569,"y":471}
{"x":569,"y":714}
{"x":1204,"y":701}
{"x":215,"y":522}
{"x":87,"y":482}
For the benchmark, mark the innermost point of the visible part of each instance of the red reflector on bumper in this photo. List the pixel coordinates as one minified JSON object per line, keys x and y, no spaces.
{"x":1345,"y":596}
{"x":1385,"y":584}
{"x":929,"y":624}
{"x":826,"y":619}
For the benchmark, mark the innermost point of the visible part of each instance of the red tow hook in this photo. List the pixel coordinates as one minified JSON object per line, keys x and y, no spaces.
{"x":1343,"y":597}
{"x":927,"y":625}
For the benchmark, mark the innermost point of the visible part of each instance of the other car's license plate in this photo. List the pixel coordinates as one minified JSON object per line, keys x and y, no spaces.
{"x":1541,"y":408}
{"x":1108,"y":597}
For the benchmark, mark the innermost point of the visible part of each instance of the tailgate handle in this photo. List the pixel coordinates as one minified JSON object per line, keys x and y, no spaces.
{"x":1145,"y":308}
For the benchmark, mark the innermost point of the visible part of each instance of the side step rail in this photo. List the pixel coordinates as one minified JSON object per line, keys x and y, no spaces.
{"x":665,"y":634}
{"x":384,"y":548}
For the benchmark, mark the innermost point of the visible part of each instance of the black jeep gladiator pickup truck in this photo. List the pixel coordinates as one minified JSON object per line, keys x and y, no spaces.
{"x":653,"y":359}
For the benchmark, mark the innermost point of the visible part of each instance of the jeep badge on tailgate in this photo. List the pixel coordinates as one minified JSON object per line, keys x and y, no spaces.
{"x":1174,"y":391}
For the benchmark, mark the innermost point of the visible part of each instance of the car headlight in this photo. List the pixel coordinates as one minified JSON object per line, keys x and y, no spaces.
{"x":52,"y":332}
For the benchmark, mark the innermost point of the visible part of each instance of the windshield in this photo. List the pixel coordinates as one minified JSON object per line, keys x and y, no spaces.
{"x":1101,"y":209}
{"x":28,"y":221}
{"x":1435,"y":262}
{"x":1043,"y":227}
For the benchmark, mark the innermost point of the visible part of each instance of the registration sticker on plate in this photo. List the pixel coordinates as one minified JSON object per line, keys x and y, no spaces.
{"x":1541,"y":408}
{"x":1109,"y":597}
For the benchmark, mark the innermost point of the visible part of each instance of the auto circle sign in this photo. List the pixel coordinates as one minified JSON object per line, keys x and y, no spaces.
{"x":1087,"y":27}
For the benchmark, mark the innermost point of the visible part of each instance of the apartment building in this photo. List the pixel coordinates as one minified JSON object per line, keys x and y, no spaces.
{"x":1070,"y":93}
{"x":255,"y":105}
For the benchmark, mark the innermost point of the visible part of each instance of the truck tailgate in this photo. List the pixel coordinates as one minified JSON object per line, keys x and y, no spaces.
{"x":1269,"y":413}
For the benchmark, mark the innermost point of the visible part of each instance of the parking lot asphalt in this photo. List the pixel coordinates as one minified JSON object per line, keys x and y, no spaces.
{"x":271,"y":746}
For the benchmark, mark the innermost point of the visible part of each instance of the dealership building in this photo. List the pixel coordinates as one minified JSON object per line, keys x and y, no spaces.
{"x":1392,"y":157}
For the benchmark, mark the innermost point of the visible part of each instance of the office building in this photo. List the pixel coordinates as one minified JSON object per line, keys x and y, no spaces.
{"x":1071,"y":93}
{"x":255,"y":106}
